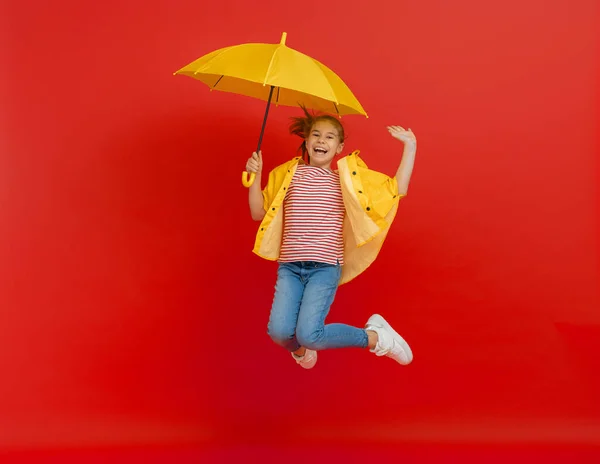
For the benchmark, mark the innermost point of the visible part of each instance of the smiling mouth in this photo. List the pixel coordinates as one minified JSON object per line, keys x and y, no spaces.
{"x":321,"y":151}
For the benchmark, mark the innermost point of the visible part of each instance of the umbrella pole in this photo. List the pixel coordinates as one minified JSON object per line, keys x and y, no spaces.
{"x":262,"y":131}
{"x":247,"y":182}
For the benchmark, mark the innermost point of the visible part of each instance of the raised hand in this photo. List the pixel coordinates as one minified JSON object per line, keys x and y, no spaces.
{"x":404,"y":135}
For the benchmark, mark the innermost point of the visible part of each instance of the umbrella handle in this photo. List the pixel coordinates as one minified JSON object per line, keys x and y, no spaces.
{"x":248,"y":182}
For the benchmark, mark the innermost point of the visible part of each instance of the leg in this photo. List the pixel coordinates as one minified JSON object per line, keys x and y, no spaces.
{"x":286,"y":305}
{"x":319,"y":294}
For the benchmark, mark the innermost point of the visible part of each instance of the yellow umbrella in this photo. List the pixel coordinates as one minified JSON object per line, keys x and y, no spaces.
{"x":274,"y":72}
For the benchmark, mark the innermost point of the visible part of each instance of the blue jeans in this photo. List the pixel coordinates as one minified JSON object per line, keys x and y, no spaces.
{"x":303,"y":294}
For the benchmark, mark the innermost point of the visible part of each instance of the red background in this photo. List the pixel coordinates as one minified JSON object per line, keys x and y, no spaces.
{"x":132,"y":311}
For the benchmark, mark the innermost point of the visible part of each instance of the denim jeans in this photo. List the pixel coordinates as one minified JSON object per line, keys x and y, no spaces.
{"x":303,"y":294}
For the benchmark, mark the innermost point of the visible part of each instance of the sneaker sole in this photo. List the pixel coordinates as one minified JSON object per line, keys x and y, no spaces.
{"x":378,"y":320}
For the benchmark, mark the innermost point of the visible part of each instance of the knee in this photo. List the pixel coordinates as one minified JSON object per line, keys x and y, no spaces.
{"x":280,"y":334}
{"x":310,"y":337}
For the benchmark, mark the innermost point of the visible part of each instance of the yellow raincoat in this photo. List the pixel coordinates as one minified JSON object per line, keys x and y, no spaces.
{"x":371,"y":201}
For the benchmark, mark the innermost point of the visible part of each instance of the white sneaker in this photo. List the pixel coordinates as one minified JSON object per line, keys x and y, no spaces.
{"x":389,"y":343}
{"x":307,"y":361}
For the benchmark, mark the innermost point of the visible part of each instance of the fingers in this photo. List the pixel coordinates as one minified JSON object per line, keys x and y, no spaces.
{"x":398,"y":129}
{"x":254,"y":164}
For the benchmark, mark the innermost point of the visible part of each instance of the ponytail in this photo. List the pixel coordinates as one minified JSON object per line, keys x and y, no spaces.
{"x":301,"y":127}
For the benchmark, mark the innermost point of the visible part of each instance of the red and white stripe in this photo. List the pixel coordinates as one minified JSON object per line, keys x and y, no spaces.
{"x":313,"y":217}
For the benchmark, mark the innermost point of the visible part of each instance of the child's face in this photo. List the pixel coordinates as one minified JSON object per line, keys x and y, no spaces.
{"x":323,"y":143}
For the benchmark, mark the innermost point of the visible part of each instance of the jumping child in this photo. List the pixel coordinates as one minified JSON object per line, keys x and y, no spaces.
{"x":325,"y":227}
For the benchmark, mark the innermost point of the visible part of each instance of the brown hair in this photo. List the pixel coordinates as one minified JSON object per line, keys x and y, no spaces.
{"x":302,"y":126}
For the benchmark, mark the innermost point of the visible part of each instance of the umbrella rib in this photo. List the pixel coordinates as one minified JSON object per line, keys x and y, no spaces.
{"x":216,"y":83}
{"x":335,"y":100}
{"x":217,"y":54}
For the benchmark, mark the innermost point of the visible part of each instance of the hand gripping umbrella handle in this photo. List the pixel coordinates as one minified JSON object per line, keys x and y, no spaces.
{"x":248,"y":182}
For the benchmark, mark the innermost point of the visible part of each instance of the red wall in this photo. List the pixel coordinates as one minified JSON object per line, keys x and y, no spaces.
{"x":131,"y":307}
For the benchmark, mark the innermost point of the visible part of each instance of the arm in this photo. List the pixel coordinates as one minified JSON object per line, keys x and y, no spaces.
{"x":255,"y":197}
{"x":404,"y":172}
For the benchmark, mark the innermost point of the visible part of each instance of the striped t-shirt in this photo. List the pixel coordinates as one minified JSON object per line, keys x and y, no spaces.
{"x":313,"y":217}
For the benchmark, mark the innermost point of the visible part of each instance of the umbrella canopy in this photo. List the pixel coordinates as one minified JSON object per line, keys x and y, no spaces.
{"x":274,"y":73}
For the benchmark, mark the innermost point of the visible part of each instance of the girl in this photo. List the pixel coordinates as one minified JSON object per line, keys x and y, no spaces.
{"x":324,"y":227}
